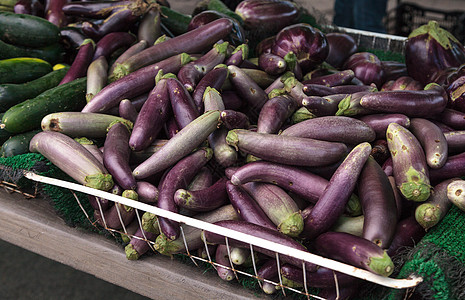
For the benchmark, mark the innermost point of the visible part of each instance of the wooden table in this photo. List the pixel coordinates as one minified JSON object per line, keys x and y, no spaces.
{"x":32,"y":224}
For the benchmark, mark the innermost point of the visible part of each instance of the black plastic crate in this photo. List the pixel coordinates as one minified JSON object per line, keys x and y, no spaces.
{"x":406,"y":17}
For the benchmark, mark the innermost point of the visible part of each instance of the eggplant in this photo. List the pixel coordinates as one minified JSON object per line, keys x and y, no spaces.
{"x":224,"y":268}
{"x":380,"y":122}
{"x":214,"y":78}
{"x":320,"y":90}
{"x":394,"y":70}
{"x":322,"y":278}
{"x":115,"y":217}
{"x":335,"y":79}
{"x":378,"y":204}
{"x":452,"y":118}
{"x":91,"y":9}
{"x":429,"y":49}
{"x":148,"y":193}
{"x":260,"y":232}
{"x":234,"y":119}
{"x":202,"y":180}
{"x":91,"y":147}
{"x":180,"y":145}
{"x":333,"y":129}
{"x":29,"y":7}
{"x":455,"y":141}
{"x":432,"y":140}
{"x":135,"y":84}
{"x":455,"y":193}
{"x":409,"y":163}
{"x":352,"y":225}
{"x":367,"y":67}
{"x":402,"y":83}
{"x":308,"y":43}
{"x":81,"y":62}
{"x":111,"y":42}
{"x":54,"y":12}
{"x":72,"y":158}
{"x":78,"y":124}
{"x":149,"y":28}
{"x":356,"y":251}
{"x":272,"y":63}
{"x":206,"y":199}
{"x":224,"y":154}
{"x":274,"y":113}
{"x":127,"y":110}
{"x":97,"y":77}
{"x":182,"y":104}
{"x":341,"y":47}
{"x":132,"y":50}
{"x":350,"y":105}
{"x":193,"y":41}
{"x":456,"y":92}
{"x":429,"y":102}
{"x":433,"y":210}
{"x":408,"y":234}
{"x":238,"y":56}
{"x":140,"y":244}
{"x":286,"y":149}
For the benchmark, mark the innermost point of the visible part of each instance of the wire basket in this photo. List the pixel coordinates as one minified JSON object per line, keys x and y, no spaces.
{"x":279,"y":249}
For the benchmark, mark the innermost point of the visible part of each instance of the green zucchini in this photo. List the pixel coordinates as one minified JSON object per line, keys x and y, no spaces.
{"x":4,"y":135}
{"x":175,"y":21}
{"x":28,"y":114}
{"x":53,"y":53}
{"x":23,"y":69}
{"x":17,"y":144}
{"x":27,"y":30}
{"x":12,"y":94}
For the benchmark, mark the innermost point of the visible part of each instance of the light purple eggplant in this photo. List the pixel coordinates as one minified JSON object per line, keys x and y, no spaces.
{"x":237,"y":57}
{"x":224,"y":267}
{"x":139,"y":244}
{"x":432,"y":140}
{"x":408,"y":234}
{"x":97,"y":77}
{"x":206,"y":199}
{"x":380,"y":122}
{"x":215,"y":78}
{"x":54,"y":12}
{"x":331,"y":80}
{"x":127,"y":110}
{"x":234,"y":119}
{"x":274,"y":113}
{"x":272,"y":64}
{"x":454,"y":167}
{"x":182,"y":104}
{"x":111,"y":42}
{"x":322,"y":278}
{"x":455,"y":141}
{"x":148,"y":193}
{"x":81,"y":62}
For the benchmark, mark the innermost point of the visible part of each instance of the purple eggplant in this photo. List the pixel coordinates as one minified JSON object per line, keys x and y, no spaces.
{"x":214,"y":78}
{"x":319,"y":90}
{"x":408,"y":234}
{"x":290,"y":178}
{"x":72,"y":158}
{"x":134,"y":84}
{"x":334,"y":129}
{"x":332,"y":202}
{"x":261,"y":232}
{"x":132,"y":50}
{"x":308,"y":43}
{"x":425,"y":103}
{"x":267,"y":15}
{"x":367,"y":67}
{"x":455,"y":141}
{"x":127,"y":110}
{"x":454,"y":167}
{"x":115,"y":217}
{"x":54,"y":12}
{"x":274,"y":113}
{"x":341,"y":47}
{"x":182,"y":104}
{"x":380,"y":122}
{"x":334,"y":79}
{"x":206,"y":199}
{"x":111,"y":42}
{"x":394,"y":70}
{"x":202,"y":180}
{"x":378,"y":204}
{"x":350,"y":105}
{"x":97,"y":77}
{"x":175,"y":178}
{"x":402,"y":83}
{"x":180,"y":145}
{"x":429,"y":49}
{"x":91,"y":147}
{"x":224,"y":154}
{"x":92,"y":9}
{"x":272,"y":64}
{"x":139,"y":244}
{"x":116,"y":156}
{"x":322,"y":278}
{"x":409,"y":163}
{"x":151,"y":117}
{"x":452,"y":118}
{"x":323,"y":106}
{"x":238,"y":56}
{"x":29,"y":7}
{"x":224,"y":268}
{"x":149,"y":28}
{"x":193,"y":41}
{"x":82,"y":61}
{"x":148,"y":193}
{"x":234,"y":119}
{"x":356,"y":251}
{"x":432,"y":140}
{"x":286,"y":149}
{"x":456,"y":92}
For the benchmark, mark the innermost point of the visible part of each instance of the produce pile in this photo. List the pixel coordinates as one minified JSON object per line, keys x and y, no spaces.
{"x":246,"y":117}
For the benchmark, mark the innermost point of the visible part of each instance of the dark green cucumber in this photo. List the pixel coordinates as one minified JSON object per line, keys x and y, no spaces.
{"x":23,"y":69}
{"x":27,"y":30}
{"x":17,"y":144}
{"x":175,"y":21}
{"x":4,"y":135}
{"x":53,"y":53}
{"x":28,"y":114}
{"x":12,"y":94}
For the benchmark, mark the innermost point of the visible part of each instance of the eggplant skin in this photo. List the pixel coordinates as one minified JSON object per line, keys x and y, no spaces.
{"x":431,"y":49}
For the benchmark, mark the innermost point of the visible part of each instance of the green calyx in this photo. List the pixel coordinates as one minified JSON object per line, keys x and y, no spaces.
{"x":84,"y":141}
{"x":222,"y":48}
{"x":165,"y":246}
{"x":354,"y":206}
{"x":161,"y":39}
{"x":126,"y":239}
{"x":344,"y":107}
{"x":245,"y":50}
{"x":435,"y":32}
{"x":129,"y":125}
{"x":131,"y":253}
{"x":149,"y":222}
{"x":186,"y":58}
{"x":301,"y":114}
{"x":130,"y":194}
{"x":103,"y":182}
{"x":232,"y":139}
{"x":293,"y":225}
{"x":119,"y":72}
{"x":427,"y":215}
{"x":276,"y":93}
{"x":88,"y":41}
{"x":382,"y":265}
{"x":415,"y":191}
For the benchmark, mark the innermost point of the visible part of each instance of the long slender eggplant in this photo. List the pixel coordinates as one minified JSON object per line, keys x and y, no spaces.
{"x":97,"y":77}
{"x":212,"y":100}
{"x":132,"y":50}
{"x":77,"y":124}
{"x":321,"y":90}
{"x":425,"y":103}
{"x":214,"y":78}
{"x":356,"y":251}
{"x":286,"y":149}
{"x":234,"y":119}
{"x":378,"y":204}
{"x":186,"y":140}
{"x":92,"y":9}
{"x":127,"y":110}
{"x":137,"y":83}
{"x":402,"y":83}
{"x":224,"y":154}
{"x":116,"y":155}
{"x":274,"y":113}
{"x":380,"y":122}
{"x":455,"y":141}
{"x":149,"y":28}
{"x":224,"y":267}
{"x":408,"y":233}
{"x":330,"y":80}
{"x":182,"y":104}
{"x":332,"y":202}
{"x":202,"y":180}
{"x":269,"y":270}
{"x":409,"y":163}
{"x":278,"y":206}
{"x":91,"y":147}
{"x":452,"y":118}
{"x":322,"y":278}
{"x":432,"y":140}
{"x":433,"y":210}
{"x":111,"y":42}
{"x":175,"y":178}
{"x":54,"y":12}
{"x":193,"y":234}
{"x":261,"y":232}
{"x":323,"y":106}
{"x":148,"y":193}
{"x":193,"y":41}
{"x":206,"y":199}
{"x":455,"y":193}
{"x":82,"y":61}
{"x":272,"y":64}
{"x":334,"y":129}
{"x":139,"y":244}
{"x":72,"y":158}
{"x":246,"y":207}
{"x":153,"y":114}
{"x":190,"y":74}
{"x":115,"y":217}
{"x":138,"y":157}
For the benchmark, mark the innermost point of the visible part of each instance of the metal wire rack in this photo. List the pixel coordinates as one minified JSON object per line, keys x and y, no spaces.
{"x":279,"y":249}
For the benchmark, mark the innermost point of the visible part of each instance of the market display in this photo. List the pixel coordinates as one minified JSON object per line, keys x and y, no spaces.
{"x":248,"y":118}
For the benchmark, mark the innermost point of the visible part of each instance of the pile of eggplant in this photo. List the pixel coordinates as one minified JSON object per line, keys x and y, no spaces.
{"x":303,"y":139}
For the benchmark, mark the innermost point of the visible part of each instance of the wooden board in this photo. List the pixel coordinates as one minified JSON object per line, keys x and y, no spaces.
{"x":32,"y":224}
